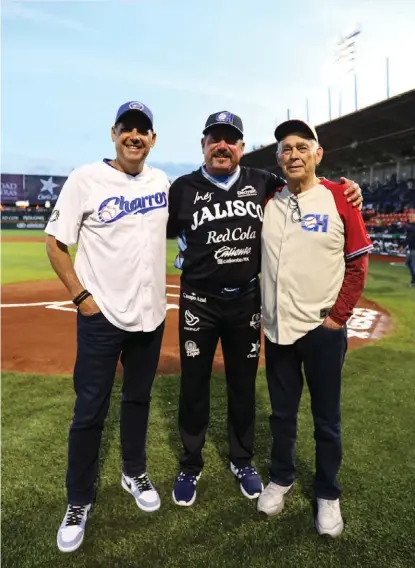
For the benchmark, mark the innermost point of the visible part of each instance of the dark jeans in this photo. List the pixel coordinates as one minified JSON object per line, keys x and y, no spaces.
{"x":410,"y":263}
{"x":100,"y":345}
{"x":321,"y":352}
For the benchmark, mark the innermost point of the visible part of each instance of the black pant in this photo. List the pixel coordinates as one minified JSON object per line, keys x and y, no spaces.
{"x":410,"y":263}
{"x":100,"y":345}
{"x":322,"y":353}
{"x":203,"y":319}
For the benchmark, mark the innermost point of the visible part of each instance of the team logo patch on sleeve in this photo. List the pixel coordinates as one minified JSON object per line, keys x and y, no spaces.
{"x":54,"y":216}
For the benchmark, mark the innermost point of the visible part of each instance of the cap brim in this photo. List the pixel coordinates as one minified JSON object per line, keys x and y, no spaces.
{"x":223,"y":124}
{"x":290,"y":126}
{"x":135,"y":110}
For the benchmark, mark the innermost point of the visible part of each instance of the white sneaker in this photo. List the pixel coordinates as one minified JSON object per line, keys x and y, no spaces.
{"x":271,"y":500}
{"x":143,"y":491}
{"x":329,"y":519}
{"x":72,"y":530}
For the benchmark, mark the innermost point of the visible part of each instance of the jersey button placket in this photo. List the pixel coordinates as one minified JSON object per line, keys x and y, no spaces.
{"x":148,"y":261}
{"x":281,"y":287}
{"x":143,"y":228}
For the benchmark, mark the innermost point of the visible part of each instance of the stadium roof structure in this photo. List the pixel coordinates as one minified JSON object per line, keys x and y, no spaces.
{"x":378,"y":134}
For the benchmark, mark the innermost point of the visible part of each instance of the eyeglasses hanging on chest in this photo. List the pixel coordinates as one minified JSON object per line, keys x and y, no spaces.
{"x":294,"y":206}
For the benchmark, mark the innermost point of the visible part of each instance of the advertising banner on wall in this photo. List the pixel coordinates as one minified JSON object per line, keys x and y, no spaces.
{"x":24,"y":219}
{"x":39,"y":189}
{"x":11,"y":188}
{"x":388,"y":244}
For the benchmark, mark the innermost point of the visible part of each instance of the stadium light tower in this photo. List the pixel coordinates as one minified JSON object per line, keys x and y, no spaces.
{"x":387,"y":78}
{"x":345,"y":59}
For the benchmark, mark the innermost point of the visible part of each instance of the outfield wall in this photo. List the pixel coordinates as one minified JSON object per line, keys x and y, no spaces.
{"x":32,"y":188}
{"x":24,"y":220}
{"x":388,"y":244}
{"x":384,"y":243}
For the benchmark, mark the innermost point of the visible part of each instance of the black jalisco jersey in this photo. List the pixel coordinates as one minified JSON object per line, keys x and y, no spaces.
{"x":219,"y":228}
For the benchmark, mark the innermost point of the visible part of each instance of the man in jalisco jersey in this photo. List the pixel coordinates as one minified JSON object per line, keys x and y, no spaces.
{"x":314,"y":263}
{"x":116,"y":212}
{"x":217,"y":214}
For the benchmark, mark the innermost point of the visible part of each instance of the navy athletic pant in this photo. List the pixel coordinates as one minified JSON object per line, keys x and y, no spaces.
{"x":321,"y":354}
{"x":100,"y":345}
{"x":203,"y":320}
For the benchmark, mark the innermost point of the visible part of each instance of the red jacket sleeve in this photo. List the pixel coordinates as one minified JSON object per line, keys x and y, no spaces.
{"x":357,"y":245}
{"x":356,"y":239}
{"x":352,"y":288}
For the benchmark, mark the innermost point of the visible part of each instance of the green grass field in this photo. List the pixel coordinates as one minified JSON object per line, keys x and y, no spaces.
{"x":223,"y":528}
{"x":25,"y":261}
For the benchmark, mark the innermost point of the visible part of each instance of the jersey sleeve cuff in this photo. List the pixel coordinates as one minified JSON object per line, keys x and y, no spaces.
{"x":59,"y":238}
{"x":340,"y":320}
{"x":356,"y":253}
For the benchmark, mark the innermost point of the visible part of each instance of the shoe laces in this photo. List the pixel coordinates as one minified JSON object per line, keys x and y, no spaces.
{"x":75,"y":515}
{"x":248,"y":470}
{"x":330,"y":506}
{"x":189,"y":478}
{"x":142,"y":482}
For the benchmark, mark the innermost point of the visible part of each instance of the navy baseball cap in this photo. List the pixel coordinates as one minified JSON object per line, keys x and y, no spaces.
{"x":294,"y":125}
{"x":136,"y":106}
{"x":224,"y":117}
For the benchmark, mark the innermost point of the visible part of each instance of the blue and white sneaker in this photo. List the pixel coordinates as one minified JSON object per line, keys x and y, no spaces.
{"x":72,"y":530}
{"x":184,"y":491}
{"x":143,"y":491}
{"x":249,"y":480}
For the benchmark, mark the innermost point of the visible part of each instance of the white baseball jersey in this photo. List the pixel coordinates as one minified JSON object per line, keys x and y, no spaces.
{"x":119,"y":223}
{"x":305,"y":241}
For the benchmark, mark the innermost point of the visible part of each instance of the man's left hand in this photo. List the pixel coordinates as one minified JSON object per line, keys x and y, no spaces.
{"x":353,"y":191}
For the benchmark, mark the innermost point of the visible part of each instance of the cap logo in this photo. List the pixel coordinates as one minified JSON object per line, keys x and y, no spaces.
{"x":224,"y":117}
{"x":137,"y":106}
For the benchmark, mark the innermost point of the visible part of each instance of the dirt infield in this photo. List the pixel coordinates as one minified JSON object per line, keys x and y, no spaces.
{"x":387,"y":258}
{"x":39,"y":335}
{"x":22,"y":239}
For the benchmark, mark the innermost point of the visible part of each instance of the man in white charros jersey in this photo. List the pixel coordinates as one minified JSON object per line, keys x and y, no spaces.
{"x":116,"y":212}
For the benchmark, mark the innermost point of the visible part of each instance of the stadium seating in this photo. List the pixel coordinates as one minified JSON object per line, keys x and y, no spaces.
{"x":388,"y":206}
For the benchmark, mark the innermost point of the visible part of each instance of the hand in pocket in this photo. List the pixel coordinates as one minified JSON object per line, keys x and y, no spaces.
{"x":331,"y":324}
{"x":88,"y":307}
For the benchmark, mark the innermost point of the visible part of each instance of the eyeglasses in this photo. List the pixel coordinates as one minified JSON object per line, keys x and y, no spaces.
{"x":295,"y":208}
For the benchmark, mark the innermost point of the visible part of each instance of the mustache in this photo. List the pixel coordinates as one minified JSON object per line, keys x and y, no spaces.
{"x":221,"y":154}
